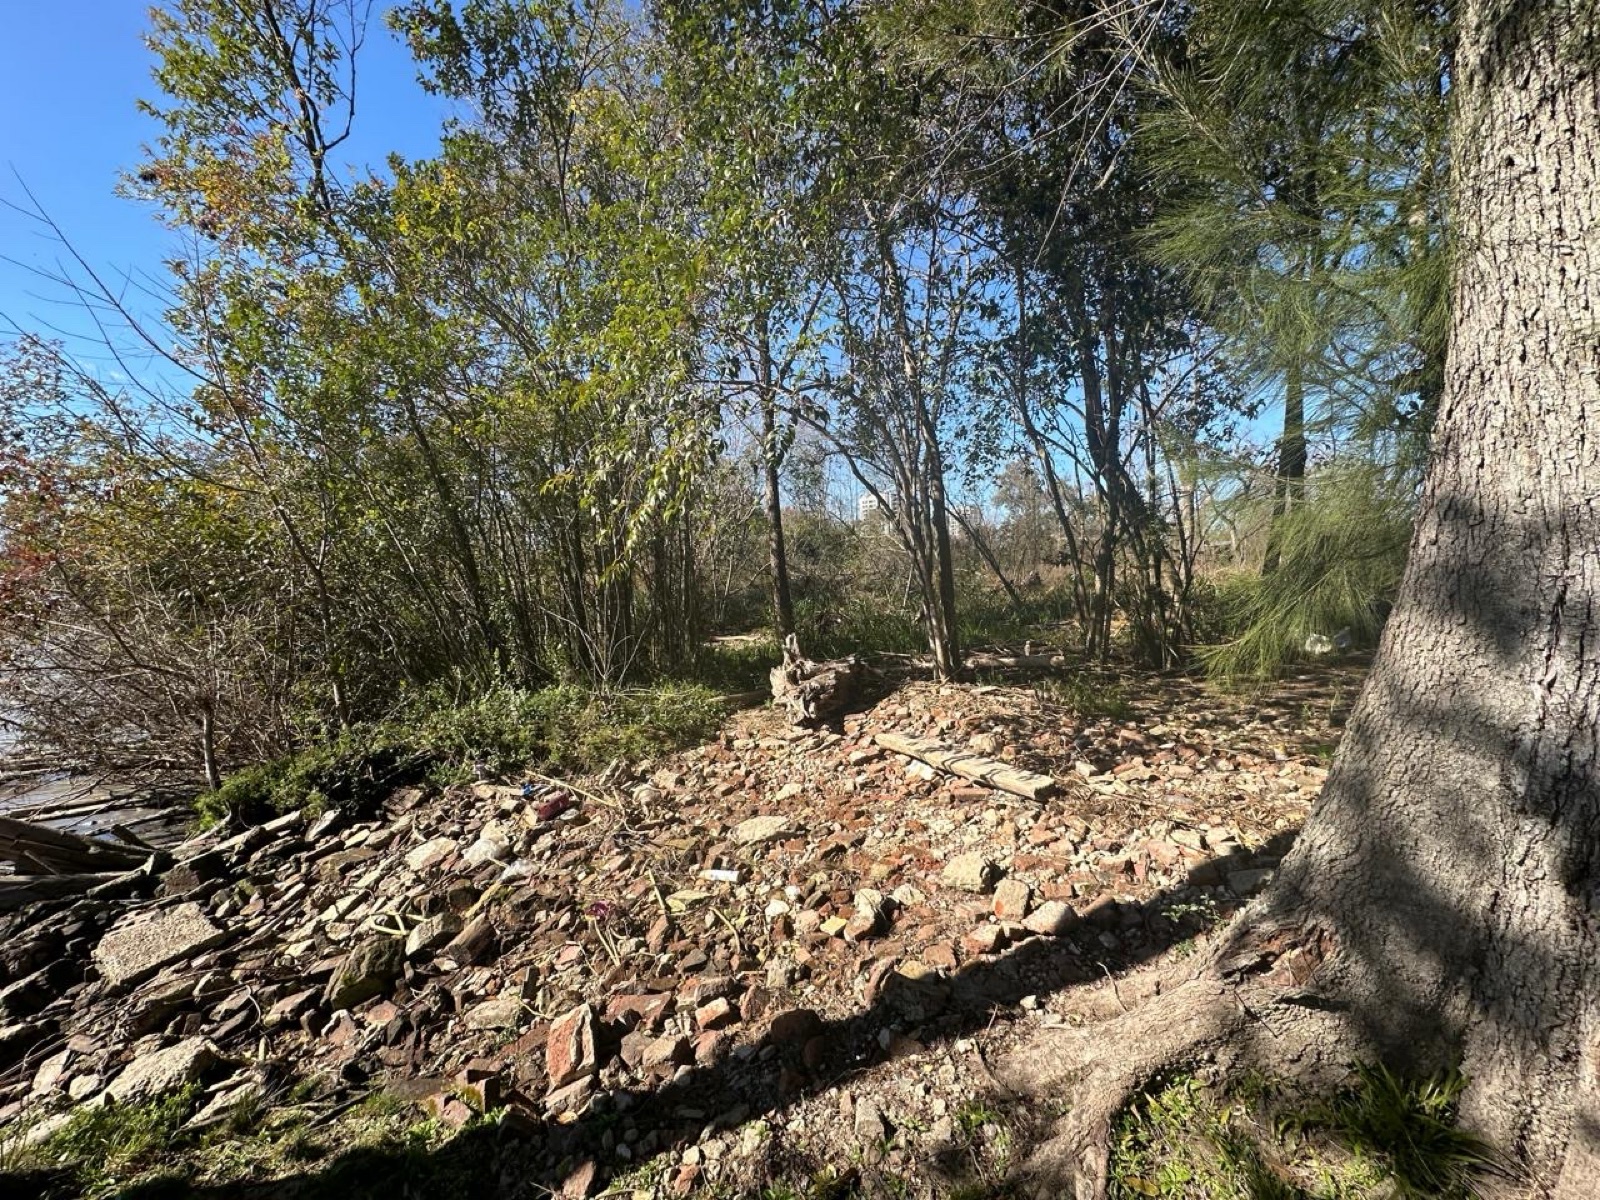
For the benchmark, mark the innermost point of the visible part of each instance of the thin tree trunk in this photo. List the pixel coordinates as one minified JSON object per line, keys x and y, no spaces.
{"x":1289,"y":487}
{"x":981,"y":545}
{"x":777,"y":553}
{"x":947,"y":654}
{"x":208,"y":749}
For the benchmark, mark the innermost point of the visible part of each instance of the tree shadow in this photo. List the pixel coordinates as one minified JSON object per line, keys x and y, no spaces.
{"x":530,"y":1156}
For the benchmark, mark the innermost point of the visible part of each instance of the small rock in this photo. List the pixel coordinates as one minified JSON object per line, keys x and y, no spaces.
{"x":758,"y":830}
{"x":871,"y":1129}
{"x":485,"y":850}
{"x":430,"y":854}
{"x":1053,"y":918}
{"x":581,"y":1182}
{"x":970,"y":873}
{"x":569,"y":1049}
{"x":288,"y":1010}
{"x":503,"y":1012}
{"x":154,"y":1075}
{"x":576,"y":1097}
{"x":794,"y":1027}
{"x":870,"y":916}
{"x":366,"y":972}
{"x":716,"y":1014}
{"x":84,"y":1086}
{"x":473,"y":944}
{"x":646,"y":1010}
{"x":1011,"y":899}
{"x":432,"y":933}
{"x":667,"y":1051}
{"x":986,"y":939}
{"x":1104,"y":913}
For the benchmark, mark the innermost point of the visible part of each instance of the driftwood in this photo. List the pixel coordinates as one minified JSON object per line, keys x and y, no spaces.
{"x":19,"y":891}
{"x":40,"y":850}
{"x":980,"y":660}
{"x":814,"y":691}
{"x":971,"y":766}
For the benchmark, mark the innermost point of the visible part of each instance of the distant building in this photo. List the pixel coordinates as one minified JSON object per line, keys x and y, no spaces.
{"x":872,"y":512}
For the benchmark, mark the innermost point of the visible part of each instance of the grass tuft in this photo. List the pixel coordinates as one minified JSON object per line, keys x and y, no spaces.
{"x":1384,"y":1138}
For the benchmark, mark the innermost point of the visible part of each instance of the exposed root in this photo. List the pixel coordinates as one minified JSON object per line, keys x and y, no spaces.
{"x":1208,"y":1021}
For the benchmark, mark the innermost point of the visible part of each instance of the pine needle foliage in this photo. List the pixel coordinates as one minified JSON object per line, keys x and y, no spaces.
{"x":1301,"y":146}
{"x":1342,"y":552}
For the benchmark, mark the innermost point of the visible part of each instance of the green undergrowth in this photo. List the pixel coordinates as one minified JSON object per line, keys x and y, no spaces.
{"x":99,"y":1148}
{"x":1092,"y":696}
{"x":377,"y":1148}
{"x":1381,"y":1138}
{"x":504,"y":730}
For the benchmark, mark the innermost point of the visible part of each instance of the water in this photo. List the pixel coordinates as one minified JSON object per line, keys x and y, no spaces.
{"x":86,"y":805}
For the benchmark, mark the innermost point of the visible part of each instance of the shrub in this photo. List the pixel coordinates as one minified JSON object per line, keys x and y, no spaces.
{"x":499,"y":732}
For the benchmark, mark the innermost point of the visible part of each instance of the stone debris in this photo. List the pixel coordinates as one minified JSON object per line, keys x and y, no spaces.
{"x":970,"y":873}
{"x":570,"y":1048}
{"x":161,"y":1072}
{"x":1012,"y":899}
{"x":367,"y":971}
{"x":1053,"y":918}
{"x":759,"y":830}
{"x":533,"y":949}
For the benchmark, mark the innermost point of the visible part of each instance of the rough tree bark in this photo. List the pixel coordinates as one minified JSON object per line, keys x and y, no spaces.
{"x":1441,"y":903}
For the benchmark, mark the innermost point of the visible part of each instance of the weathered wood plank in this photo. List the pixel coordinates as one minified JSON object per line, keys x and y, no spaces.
{"x":37,"y":847}
{"x":19,"y":891}
{"x":975,"y":767}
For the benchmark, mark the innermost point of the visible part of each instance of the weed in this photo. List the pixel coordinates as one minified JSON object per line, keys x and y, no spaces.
{"x":1384,"y":1137}
{"x":1408,"y":1128}
{"x":107,"y":1143}
{"x":502,"y":731}
{"x":1087,"y":696}
{"x":973,"y":1116}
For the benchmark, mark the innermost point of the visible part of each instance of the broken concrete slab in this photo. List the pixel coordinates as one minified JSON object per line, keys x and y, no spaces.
{"x":139,"y":945}
{"x":153,"y":1075}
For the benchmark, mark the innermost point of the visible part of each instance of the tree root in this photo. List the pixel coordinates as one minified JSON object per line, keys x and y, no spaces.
{"x":1207,"y":1021}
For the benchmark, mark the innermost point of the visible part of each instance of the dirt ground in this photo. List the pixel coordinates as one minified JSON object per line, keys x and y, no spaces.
{"x":777,"y":964}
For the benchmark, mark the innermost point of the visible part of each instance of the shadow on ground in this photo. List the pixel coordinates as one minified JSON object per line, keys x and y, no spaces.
{"x":524,"y":1157}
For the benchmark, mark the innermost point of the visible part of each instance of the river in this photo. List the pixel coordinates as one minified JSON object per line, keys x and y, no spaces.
{"x":88,"y":805}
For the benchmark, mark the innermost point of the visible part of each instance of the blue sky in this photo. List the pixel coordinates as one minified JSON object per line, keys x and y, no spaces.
{"x":70,"y":75}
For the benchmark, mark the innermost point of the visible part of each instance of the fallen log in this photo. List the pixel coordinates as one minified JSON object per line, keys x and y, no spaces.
{"x":40,"y":850}
{"x":19,"y":891}
{"x":975,"y":767}
{"x":814,"y":691}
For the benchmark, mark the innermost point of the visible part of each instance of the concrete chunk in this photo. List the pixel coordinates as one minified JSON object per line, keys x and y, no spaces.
{"x":139,"y":945}
{"x":153,"y":1075}
{"x":759,"y":830}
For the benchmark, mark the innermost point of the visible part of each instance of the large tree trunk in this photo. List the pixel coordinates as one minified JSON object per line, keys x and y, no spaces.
{"x":1442,"y":899}
{"x":1455,"y":854}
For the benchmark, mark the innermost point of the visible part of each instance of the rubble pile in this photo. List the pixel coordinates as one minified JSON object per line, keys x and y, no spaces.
{"x":687,"y":945}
